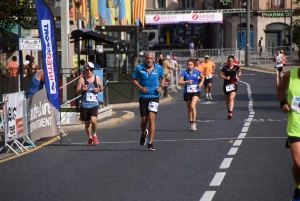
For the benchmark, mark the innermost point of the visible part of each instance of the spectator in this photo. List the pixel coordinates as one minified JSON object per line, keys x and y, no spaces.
{"x":160,"y":59}
{"x":13,"y":67}
{"x":260,"y":46}
{"x":167,"y":67}
{"x":192,"y":48}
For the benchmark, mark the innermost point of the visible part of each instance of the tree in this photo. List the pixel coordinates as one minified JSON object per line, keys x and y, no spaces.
{"x":14,"y":12}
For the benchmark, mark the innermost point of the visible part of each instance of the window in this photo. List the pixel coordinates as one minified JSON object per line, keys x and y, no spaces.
{"x":160,"y":3}
{"x":277,"y":3}
{"x":188,"y":4}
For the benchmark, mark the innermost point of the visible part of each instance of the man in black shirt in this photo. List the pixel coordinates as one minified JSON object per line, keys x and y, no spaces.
{"x":260,"y":46}
{"x":160,"y":59}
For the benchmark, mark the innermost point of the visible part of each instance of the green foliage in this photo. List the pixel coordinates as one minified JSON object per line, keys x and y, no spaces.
{"x":14,"y":12}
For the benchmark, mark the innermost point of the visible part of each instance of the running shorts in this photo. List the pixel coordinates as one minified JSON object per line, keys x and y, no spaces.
{"x":206,"y":81}
{"x":189,"y":96}
{"x":278,"y":69}
{"x":227,"y":93}
{"x":87,"y":113}
{"x":144,"y":104}
{"x":290,"y":140}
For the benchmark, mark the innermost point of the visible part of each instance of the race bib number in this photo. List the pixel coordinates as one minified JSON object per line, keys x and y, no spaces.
{"x":91,"y":97}
{"x":191,"y":88}
{"x":208,"y":76}
{"x":296,"y":104}
{"x":230,"y":87}
{"x":153,"y":106}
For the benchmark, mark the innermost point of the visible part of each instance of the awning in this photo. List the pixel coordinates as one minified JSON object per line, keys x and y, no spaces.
{"x":89,"y":34}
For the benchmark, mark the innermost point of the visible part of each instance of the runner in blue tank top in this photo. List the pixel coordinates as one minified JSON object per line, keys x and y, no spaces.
{"x":190,"y":79}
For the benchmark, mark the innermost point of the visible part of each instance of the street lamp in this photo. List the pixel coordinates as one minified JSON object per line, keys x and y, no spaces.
{"x":78,"y":3}
{"x":247,"y":4}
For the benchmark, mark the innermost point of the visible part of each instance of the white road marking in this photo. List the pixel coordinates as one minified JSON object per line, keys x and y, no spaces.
{"x":232,"y":151}
{"x":247,"y":123}
{"x":237,"y":143}
{"x":218,"y":178}
{"x":252,"y":112}
{"x":242,"y":135}
{"x":208,"y":196}
{"x":245,"y":129}
{"x":226,"y":163}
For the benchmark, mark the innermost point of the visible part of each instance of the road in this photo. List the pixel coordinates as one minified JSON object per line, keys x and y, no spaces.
{"x":224,"y":160}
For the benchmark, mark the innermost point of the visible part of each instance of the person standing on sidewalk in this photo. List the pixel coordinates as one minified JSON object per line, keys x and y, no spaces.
{"x":192,"y":48}
{"x":231,"y":74}
{"x":209,"y":69}
{"x":278,"y":59}
{"x":146,"y":79}
{"x":260,"y":46}
{"x":190,"y":79}
{"x":291,"y":106}
{"x":89,"y":86}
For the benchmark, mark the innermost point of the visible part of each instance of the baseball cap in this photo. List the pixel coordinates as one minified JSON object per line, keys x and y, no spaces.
{"x":281,"y":51}
{"x":90,"y":65}
{"x":175,"y":58}
{"x":206,"y":56}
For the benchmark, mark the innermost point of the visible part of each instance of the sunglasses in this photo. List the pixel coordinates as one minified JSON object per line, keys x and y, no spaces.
{"x":89,"y":70}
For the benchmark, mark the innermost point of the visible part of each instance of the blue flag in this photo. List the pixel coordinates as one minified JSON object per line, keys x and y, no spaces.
{"x":49,"y":51}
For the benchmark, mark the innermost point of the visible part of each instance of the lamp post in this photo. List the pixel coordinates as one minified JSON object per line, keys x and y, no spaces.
{"x":78,"y":4}
{"x":248,"y":33}
{"x":291,"y":26}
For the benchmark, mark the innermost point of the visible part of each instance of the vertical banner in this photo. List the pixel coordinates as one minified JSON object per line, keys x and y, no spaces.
{"x":15,"y":114}
{"x":49,"y":51}
{"x":41,"y":117}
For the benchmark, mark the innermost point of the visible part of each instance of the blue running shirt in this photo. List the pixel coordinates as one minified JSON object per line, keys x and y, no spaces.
{"x":149,"y":80}
{"x":194,"y":75}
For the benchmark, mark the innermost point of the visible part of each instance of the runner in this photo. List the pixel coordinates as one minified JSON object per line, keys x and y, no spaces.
{"x":208,"y":69}
{"x":291,"y":84}
{"x":199,"y":67}
{"x":231,"y":74}
{"x":190,"y":79}
{"x":146,"y":78}
{"x":278,"y":59}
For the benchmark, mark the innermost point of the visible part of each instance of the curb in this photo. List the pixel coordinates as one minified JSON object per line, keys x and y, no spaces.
{"x":136,"y":104}
{"x":105,"y":124}
{"x":258,"y":70}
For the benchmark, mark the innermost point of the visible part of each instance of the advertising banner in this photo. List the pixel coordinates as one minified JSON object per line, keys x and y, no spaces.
{"x":15,"y":115}
{"x":41,"y":117}
{"x":164,"y":19}
{"x":49,"y":51}
{"x":196,"y":18}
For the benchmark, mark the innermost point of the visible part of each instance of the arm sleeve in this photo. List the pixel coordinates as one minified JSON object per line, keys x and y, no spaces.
{"x":136,"y":73}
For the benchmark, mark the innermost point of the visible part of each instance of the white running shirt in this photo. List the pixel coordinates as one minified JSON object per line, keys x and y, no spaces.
{"x":279,"y":59}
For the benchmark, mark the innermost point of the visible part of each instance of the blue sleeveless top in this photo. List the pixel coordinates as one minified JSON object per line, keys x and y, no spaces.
{"x":35,"y":86}
{"x":88,"y":100}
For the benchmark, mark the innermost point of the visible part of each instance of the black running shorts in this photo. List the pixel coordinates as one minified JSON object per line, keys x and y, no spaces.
{"x":278,"y":69}
{"x":86,"y":113}
{"x":144,"y":103}
{"x":206,"y":81}
{"x":189,"y":96}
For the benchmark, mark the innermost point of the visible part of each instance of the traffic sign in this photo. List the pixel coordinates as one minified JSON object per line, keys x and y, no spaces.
{"x":30,"y":44}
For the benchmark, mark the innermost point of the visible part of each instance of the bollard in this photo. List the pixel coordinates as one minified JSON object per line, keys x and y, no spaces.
{"x":166,"y":90}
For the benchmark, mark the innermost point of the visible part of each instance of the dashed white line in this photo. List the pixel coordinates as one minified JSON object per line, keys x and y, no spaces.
{"x":251,"y":116}
{"x":218,"y":178}
{"x":247,"y":124}
{"x":226,"y":163}
{"x":242,"y":135}
{"x":245,"y":129}
{"x":208,"y":196}
{"x":232,"y":151}
{"x":237,"y":143}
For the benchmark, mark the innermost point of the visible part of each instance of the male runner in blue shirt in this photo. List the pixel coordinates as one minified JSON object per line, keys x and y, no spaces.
{"x":146,"y":78}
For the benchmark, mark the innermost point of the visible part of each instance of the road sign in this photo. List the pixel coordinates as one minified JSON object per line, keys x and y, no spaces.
{"x":225,"y":1}
{"x":30,"y":44}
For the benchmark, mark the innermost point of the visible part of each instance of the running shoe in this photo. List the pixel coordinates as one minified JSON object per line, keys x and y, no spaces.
{"x":143,"y":138}
{"x":199,"y":100}
{"x":194,"y":127}
{"x":191,"y":126}
{"x":150,"y":147}
{"x":207,"y":98}
{"x":90,"y":142}
{"x":210,"y":98}
{"x":229,"y":115}
{"x":95,"y":139}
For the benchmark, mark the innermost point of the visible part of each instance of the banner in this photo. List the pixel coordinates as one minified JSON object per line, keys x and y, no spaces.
{"x":15,"y":114}
{"x":49,"y":51}
{"x":184,"y":18}
{"x":41,"y":117}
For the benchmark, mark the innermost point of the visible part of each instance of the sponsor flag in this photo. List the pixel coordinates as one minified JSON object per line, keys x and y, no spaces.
{"x":49,"y":51}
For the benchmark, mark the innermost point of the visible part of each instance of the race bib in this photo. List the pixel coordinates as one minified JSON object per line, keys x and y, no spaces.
{"x":208,"y":76}
{"x":191,"y":88}
{"x":295,"y":106}
{"x":230,"y":87}
{"x":91,"y":97}
{"x":153,"y":106}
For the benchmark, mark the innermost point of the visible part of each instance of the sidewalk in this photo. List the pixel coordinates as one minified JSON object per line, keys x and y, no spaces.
{"x":268,"y":66}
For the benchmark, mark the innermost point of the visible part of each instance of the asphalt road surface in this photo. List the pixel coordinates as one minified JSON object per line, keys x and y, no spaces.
{"x":224,"y":160}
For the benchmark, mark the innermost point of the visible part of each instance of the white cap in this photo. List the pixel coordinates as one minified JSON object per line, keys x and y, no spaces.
{"x":90,"y":65}
{"x":26,"y":62}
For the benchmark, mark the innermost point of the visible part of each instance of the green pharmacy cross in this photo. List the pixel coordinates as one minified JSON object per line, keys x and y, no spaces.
{"x":225,"y":1}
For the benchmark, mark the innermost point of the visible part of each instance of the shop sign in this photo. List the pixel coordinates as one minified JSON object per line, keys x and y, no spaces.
{"x":276,"y":14}
{"x":244,"y":14}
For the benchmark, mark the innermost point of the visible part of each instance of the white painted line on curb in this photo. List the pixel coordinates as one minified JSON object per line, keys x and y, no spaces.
{"x":245,"y":129}
{"x":226,"y":163}
{"x":237,"y":143}
{"x":242,"y":135}
{"x":218,"y":178}
{"x":208,"y":196}
{"x":232,"y":151}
